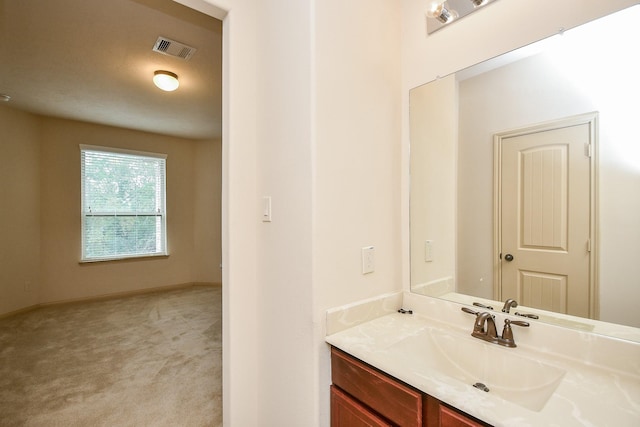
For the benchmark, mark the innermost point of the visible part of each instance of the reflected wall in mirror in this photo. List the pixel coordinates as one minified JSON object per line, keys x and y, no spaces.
{"x":590,"y":70}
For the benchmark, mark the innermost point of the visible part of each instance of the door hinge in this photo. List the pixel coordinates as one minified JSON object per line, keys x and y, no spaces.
{"x":588,"y":150}
{"x":588,"y":245}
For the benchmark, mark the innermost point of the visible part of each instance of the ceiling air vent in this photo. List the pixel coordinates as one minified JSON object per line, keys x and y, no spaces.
{"x":170,"y":47}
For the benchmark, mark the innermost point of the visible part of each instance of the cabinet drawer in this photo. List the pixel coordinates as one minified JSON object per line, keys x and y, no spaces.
{"x":348,"y":412}
{"x":399,"y":403}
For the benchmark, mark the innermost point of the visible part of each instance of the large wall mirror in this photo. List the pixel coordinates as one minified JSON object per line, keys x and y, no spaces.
{"x":532,"y":161}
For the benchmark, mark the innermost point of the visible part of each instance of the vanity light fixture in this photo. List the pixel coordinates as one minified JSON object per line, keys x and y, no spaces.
{"x":166,"y":80}
{"x":439,"y":11}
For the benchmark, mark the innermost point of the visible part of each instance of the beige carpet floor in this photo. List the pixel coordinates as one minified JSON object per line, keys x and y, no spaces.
{"x":145,"y":360}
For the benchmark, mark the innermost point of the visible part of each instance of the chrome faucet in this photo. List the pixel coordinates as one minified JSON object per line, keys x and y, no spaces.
{"x":484,"y":328}
{"x":508,"y":305}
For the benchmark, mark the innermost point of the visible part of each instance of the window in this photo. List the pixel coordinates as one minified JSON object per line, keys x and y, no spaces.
{"x":123,"y":204}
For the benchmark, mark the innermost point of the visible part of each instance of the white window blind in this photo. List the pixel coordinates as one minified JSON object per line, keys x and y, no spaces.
{"x":123,"y":203}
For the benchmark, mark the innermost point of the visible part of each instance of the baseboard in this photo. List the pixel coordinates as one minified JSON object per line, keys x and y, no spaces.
{"x":110,"y":296}
{"x":19,"y":311}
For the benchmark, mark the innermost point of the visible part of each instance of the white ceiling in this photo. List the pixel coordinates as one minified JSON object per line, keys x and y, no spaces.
{"x":92,"y":60}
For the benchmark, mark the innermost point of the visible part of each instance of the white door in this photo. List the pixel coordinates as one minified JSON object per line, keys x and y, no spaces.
{"x":545,"y":212}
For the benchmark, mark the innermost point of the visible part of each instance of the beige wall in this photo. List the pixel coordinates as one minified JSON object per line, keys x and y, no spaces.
{"x":299,"y":129}
{"x":356,"y":159}
{"x":207,"y":210}
{"x":193,"y":206}
{"x":19,"y":209}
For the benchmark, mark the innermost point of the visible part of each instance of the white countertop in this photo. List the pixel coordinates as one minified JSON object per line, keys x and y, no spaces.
{"x":601,"y":385}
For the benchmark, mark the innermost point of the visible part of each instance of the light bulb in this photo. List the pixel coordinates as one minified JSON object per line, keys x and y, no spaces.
{"x":439,"y":11}
{"x":434,"y":7}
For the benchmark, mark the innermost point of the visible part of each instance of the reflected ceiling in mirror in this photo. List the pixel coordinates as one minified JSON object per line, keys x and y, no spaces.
{"x":591,"y":69}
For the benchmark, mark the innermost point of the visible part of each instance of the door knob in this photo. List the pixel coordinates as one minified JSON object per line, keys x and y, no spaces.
{"x":508,"y":257}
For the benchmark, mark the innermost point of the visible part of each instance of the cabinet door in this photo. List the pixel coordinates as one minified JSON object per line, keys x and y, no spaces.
{"x":397,"y":402}
{"x":440,"y":415}
{"x":452,"y":418}
{"x":347,"y":412}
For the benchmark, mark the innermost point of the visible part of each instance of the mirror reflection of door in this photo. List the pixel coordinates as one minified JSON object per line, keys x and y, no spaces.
{"x":545,"y":216}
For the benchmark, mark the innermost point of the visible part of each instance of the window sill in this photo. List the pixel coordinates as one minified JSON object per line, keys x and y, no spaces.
{"x":123,"y":259}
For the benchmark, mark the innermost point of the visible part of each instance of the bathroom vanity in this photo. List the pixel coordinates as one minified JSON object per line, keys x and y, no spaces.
{"x":361,"y":395}
{"x":441,"y":355}
{"x":424,"y":368}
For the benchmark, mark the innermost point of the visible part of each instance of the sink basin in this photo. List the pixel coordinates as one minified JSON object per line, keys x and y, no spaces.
{"x":504,"y":373}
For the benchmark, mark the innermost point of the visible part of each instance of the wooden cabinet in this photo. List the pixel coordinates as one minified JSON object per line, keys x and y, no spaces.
{"x":437,"y":414}
{"x":361,"y":395}
{"x":386,"y":396}
{"x":348,"y":412}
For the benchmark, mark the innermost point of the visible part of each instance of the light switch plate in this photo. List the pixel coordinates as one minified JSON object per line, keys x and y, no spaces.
{"x":368,"y":259}
{"x":428,"y":251}
{"x":266,"y":209}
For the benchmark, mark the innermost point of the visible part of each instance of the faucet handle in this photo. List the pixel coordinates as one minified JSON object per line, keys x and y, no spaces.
{"x":477,"y":304}
{"x":507,"y":334}
{"x":515,"y":322}
{"x":468,"y":310}
{"x":530,"y":316}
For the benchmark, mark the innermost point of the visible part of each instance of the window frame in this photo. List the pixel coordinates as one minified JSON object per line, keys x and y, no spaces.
{"x":163,"y":214}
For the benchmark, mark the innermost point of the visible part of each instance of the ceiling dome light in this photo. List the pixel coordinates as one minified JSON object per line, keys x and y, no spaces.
{"x":166,"y":80}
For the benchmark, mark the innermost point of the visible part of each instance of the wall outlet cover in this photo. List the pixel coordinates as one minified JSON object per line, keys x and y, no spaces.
{"x":368,"y":260}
